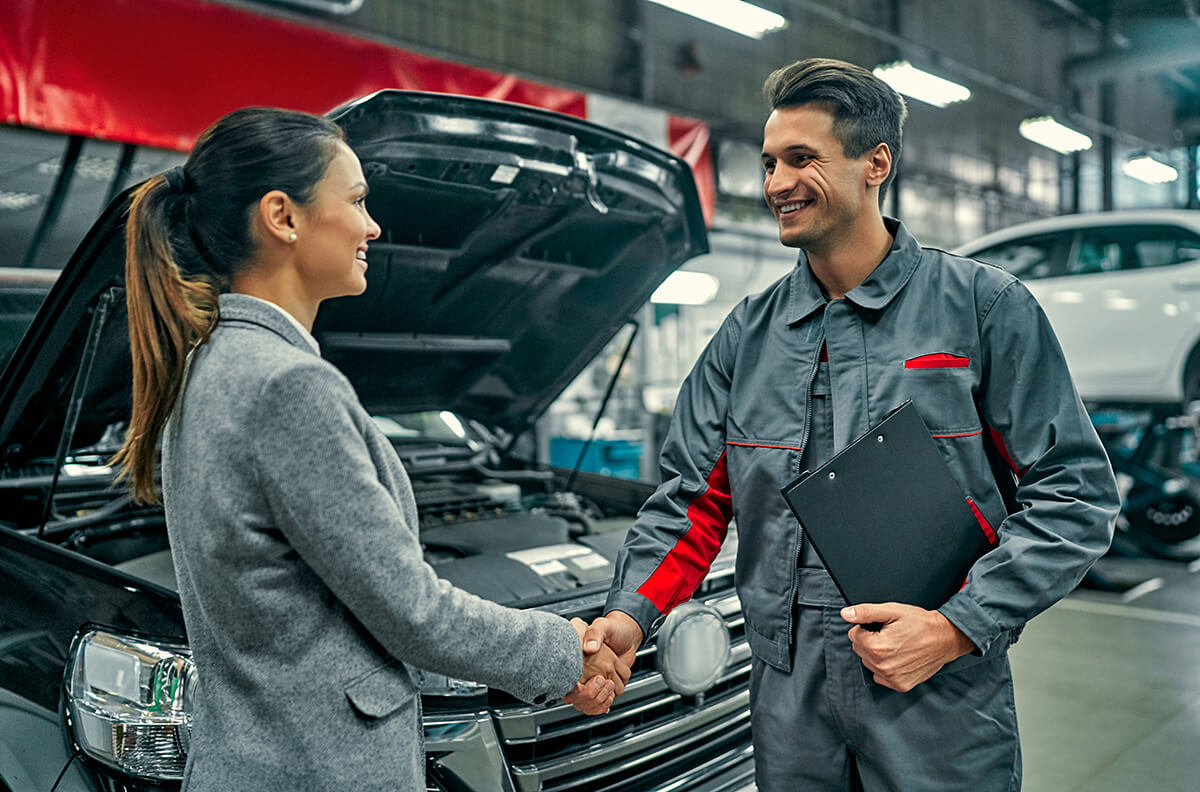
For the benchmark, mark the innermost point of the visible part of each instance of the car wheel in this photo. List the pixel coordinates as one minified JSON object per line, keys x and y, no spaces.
{"x":1168,"y":528}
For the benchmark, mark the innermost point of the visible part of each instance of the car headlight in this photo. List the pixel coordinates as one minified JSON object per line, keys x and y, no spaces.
{"x":693,"y":648}
{"x":129,"y":702}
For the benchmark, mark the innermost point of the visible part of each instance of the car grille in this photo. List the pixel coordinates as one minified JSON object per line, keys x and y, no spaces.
{"x":653,"y":738}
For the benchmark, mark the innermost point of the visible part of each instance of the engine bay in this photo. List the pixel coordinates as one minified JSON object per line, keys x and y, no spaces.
{"x":511,"y":536}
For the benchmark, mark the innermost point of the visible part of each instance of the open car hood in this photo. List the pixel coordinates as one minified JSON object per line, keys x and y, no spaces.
{"x":515,"y":243}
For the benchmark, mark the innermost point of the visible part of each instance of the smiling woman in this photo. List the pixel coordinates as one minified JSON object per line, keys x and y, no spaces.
{"x":493,"y":349}
{"x":293,"y":525}
{"x":188,"y":237}
{"x":313,"y":252}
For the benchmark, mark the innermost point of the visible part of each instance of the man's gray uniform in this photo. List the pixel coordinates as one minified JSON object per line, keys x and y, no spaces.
{"x":969,"y":345}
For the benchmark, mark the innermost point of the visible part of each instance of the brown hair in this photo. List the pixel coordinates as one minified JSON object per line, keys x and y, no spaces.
{"x":866,"y":111}
{"x":189,"y":230}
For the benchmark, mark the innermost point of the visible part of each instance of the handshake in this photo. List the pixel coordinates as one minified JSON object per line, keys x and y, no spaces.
{"x":609,"y":645}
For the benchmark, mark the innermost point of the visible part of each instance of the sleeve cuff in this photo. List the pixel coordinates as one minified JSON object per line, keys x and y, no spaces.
{"x":641,"y":609}
{"x":564,"y":670}
{"x":967,"y":615}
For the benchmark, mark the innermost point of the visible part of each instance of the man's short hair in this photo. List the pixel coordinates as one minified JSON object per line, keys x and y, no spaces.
{"x":866,"y":111}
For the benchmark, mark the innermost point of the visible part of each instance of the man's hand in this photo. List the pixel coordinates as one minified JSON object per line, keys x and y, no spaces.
{"x":912,"y":645}
{"x":604,"y":678}
{"x":609,"y":645}
{"x":617,"y":630}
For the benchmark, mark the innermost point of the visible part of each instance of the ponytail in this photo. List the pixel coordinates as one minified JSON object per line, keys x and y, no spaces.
{"x":187,"y":235}
{"x":169,"y":316}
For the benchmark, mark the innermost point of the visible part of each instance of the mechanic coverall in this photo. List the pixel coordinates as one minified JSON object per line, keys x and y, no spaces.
{"x":969,"y":345}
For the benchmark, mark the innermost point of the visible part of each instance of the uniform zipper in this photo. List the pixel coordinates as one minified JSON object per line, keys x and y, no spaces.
{"x":808,"y":420}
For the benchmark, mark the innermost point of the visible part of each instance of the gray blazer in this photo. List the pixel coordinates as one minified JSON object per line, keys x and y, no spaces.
{"x":308,"y":604}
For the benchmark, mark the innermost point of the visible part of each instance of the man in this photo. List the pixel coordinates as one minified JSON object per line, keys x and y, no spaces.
{"x":866,"y":320}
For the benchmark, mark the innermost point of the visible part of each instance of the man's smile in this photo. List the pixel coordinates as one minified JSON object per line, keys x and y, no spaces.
{"x":792,"y":206}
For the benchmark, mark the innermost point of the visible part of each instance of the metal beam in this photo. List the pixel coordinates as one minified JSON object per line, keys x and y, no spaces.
{"x":1108,"y":102}
{"x":340,"y":7}
{"x":1118,"y":39}
{"x":1183,"y":81}
{"x":1110,"y":66}
{"x":958,"y":68}
{"x":121,"y":173}
{"x":1193,"y":174}
{"x":58,"y":196}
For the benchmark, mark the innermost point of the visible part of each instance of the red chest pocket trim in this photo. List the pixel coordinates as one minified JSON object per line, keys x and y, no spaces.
{"x":938,"y":360}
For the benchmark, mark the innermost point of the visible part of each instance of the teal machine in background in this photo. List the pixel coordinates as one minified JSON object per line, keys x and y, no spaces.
{"x":620,"y":458}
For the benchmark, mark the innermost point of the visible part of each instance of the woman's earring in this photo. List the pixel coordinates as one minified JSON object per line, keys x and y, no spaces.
{"x":292,"y":237}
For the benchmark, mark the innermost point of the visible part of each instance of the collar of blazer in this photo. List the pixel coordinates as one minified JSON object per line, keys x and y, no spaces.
{"x":244,"y":308}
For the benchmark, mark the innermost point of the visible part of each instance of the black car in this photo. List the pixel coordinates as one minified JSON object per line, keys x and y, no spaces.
{"x":515,"y":243}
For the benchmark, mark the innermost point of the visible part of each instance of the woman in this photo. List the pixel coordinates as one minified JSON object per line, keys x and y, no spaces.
{"x":292,"y":523}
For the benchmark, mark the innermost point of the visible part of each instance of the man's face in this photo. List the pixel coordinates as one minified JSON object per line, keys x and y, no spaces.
{"x":815,"y":191}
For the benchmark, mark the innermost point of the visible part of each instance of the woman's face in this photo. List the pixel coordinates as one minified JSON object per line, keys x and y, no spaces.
{"x":331,"y":245}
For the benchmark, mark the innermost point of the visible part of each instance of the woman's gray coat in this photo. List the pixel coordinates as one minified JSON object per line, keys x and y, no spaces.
{"x":307,"y":602}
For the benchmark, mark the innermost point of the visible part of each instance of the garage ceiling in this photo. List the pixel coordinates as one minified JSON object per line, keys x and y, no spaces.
{"x":1159,"y":37}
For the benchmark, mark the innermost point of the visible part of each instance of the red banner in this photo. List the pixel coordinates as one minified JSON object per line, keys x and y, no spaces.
{"x":157,"y":72}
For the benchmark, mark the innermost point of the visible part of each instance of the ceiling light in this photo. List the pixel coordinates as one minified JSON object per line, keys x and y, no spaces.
{"x":736,"y":15}
{"x":921,"y":85}
{"x":1145,"y":168}
{"x":1047,"y":132}
{"x":686,"y":288}
{"x":16,"y":201}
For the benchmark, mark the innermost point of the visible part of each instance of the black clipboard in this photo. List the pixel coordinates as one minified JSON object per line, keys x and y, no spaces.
{"x":888,"y":519}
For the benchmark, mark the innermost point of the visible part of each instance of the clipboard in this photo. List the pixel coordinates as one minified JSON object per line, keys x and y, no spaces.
{"x":888,"y":519}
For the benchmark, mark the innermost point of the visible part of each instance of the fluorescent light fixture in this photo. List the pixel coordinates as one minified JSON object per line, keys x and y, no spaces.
{"x":921,"y":85}
{"x":686,"y":288}
{"x":1146,"y":169}
{"x":1047,"y":132}
{"x":736,"y":15}
{"x":16,"y":201}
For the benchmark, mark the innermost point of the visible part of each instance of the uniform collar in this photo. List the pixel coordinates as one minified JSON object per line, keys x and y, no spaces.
{"x":243,"y":307}
{"x":884,"y":282}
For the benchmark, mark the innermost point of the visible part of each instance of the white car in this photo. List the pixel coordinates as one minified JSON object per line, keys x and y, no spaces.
{"x":1122,"y":290}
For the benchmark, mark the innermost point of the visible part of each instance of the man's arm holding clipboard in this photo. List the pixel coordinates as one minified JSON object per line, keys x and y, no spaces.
{"x":910,"y":645}
{"x":891,"y":492}
{"x":1066,"y":492}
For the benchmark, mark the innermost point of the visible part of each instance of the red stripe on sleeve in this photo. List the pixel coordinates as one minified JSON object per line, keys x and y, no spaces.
{"x":677,"y":577}
{"x":988,"y":531}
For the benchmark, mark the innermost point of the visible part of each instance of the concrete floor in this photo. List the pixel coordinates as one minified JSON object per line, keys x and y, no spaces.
{"x":1108,"y":685}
